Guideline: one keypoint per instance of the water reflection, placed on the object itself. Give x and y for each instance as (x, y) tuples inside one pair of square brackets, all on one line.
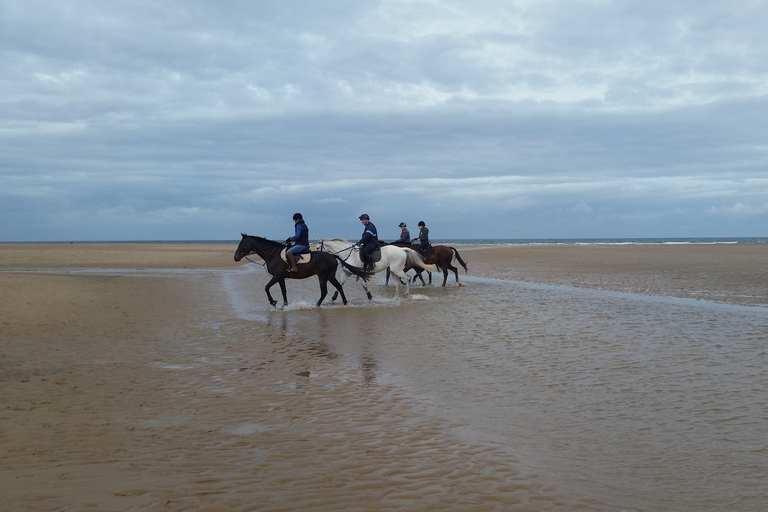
[(636, 402)]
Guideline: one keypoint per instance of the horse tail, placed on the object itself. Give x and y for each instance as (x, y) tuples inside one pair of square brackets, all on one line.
[(458, 258), (414, 259), (359, 272)]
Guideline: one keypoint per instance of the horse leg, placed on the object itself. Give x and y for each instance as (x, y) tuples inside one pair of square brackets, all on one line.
[(402, 275), (281, 282), (323, 289), (418, 274), (336, 284), (344, 276), (270, 284), (365, 287), (456, 272), (386, 281)]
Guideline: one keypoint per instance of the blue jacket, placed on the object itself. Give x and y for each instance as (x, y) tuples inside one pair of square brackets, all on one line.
[(302, 233)]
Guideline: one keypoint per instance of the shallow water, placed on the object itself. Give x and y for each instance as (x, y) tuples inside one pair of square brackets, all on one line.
[(499, 395), (588, 399)]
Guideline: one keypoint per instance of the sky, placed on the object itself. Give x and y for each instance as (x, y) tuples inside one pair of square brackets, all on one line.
[(200, 120)]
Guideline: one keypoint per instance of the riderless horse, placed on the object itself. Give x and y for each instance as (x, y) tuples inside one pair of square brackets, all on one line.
[(442, 257), (396, 259), (318, 263)]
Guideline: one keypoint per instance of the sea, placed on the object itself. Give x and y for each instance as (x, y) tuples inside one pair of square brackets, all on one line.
[(474, 241), (542, 397)]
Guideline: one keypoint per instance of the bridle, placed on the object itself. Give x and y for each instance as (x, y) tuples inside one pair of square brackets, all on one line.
[(263, 261)]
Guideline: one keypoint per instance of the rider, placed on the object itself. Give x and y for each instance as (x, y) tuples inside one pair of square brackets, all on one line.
[(405, 236), (423, 238), (369, 242), (300, 239)]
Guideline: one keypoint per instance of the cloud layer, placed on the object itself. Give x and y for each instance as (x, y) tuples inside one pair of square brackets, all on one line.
[(527, 119)]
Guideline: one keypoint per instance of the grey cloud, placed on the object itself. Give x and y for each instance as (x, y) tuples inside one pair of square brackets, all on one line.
[(197, 120)]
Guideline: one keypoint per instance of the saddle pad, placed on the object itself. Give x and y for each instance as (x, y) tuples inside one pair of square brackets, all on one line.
[(303, 257)]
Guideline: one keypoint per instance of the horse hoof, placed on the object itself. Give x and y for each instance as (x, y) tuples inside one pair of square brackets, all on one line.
[(460, 283), (370, 297)]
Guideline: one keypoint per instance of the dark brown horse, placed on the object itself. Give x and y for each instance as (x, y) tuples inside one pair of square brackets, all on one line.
[(321, 264), (442, 257)]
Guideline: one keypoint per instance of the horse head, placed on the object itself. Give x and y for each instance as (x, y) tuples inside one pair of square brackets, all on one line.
[(245, 248)]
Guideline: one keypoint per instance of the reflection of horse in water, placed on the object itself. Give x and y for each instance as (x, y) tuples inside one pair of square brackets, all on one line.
[(321, 264), (442, 257), (393, 258)]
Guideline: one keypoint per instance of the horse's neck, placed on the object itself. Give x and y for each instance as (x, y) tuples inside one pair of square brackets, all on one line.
[(265, 250), (345, 250)]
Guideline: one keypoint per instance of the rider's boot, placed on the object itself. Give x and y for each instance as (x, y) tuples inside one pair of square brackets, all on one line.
[(292, 261)]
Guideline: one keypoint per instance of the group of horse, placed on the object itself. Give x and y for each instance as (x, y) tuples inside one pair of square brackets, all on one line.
[(395, 258)]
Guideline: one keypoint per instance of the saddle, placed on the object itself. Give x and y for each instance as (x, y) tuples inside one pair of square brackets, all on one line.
[(303, 257), (376, 255)]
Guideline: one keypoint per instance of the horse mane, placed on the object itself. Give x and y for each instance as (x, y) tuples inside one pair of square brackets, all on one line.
[(263, 240), (340, 240)]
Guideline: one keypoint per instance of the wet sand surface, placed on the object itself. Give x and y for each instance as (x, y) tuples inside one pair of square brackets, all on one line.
[(156, 377)]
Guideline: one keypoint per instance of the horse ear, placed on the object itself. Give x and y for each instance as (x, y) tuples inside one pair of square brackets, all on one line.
[(243, 235)]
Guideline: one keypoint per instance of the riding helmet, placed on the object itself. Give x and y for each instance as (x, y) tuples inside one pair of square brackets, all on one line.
[(365, 216), (421, 223), (297, 216), (402, 225)]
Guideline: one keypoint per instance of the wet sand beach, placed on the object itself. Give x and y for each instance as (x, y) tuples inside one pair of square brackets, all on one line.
[(157, 377)]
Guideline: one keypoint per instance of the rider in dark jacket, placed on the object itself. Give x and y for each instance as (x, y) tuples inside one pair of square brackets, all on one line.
[(405, 235), (423, 238), (300, 240), (369, 242)]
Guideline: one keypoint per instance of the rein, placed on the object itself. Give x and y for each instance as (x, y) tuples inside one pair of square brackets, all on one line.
[(263, 261), (351, 249)]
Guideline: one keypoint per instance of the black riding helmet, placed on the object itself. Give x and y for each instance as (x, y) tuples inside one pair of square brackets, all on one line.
[(297, 216)]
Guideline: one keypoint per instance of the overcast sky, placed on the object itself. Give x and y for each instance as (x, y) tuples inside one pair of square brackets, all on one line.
[(179, 120)]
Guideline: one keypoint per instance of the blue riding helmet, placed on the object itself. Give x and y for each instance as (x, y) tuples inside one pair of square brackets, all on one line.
[(402, 225), (365, 216)]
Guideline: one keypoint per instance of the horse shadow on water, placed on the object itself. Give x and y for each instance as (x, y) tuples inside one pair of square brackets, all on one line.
[(321, 264), (393, 259)]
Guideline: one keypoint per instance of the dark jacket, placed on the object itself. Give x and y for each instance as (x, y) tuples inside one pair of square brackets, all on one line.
[(370, 236), (424, 237), (405, 236), (302, 233)]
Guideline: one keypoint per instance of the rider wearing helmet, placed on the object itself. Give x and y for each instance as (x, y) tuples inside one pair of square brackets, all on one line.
[(423, 238), (300, 240), (369, 242), (405, 236)]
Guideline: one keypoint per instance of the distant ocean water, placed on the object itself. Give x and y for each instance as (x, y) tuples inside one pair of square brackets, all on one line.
[(484, 241), (603, 241)]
